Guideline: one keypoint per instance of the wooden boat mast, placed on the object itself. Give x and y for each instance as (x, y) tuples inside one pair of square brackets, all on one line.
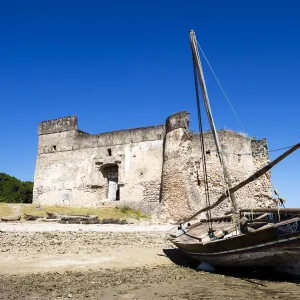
[(197, 62)]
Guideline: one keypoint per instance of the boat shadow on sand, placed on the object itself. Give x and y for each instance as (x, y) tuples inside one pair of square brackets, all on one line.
[(265, 274)]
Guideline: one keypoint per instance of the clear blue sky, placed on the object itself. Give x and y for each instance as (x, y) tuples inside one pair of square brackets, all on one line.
[(124, 64)]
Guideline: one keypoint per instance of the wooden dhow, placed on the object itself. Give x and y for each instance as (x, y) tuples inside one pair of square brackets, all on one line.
[(261, 237)]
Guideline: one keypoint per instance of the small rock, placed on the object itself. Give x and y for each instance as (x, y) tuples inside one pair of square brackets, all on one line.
[(70, 295)]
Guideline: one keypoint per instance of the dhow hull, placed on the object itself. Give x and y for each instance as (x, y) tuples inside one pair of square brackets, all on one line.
[(277, 247)]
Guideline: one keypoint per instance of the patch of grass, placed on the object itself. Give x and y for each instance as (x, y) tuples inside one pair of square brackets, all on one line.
[(5, 210), (130, 212), (102, 213)]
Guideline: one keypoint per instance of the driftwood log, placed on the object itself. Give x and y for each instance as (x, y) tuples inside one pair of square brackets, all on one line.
[(10, 219), (52, 215), (79, 219), (31, 217), (73, 219), (113, 221), (82, 219), (48, 220), (91, 220)]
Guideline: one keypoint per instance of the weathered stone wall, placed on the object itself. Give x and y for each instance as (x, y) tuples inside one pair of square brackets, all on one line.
[(261, 188), (178, 186), (160, 168), (58, 125), (70, 164), (183, 190)]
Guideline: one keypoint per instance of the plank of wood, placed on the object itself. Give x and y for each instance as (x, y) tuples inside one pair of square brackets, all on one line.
[(261, 216), (53, 215), (48, 220), (271, 210)]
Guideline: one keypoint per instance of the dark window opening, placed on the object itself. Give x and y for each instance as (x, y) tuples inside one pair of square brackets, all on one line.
[(239, 157), (208, 152), (54, 148), (198, 179), (109, 152)]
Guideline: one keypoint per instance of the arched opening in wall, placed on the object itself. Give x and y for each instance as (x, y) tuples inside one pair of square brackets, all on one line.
[(111, 173)]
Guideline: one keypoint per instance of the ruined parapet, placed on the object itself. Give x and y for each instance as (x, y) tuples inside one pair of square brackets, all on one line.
[(179, 120), (261, 187), (260, 149), (177, 188), (178, 138), (58, 125)]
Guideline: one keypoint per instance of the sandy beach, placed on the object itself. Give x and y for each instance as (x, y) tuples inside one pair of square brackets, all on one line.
[(63, 261)]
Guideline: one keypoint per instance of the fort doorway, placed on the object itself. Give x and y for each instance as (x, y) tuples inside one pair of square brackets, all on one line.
[(111, 172)]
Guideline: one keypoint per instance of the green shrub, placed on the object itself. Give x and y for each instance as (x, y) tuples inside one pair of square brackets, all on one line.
[(130, 212), (13, 190)]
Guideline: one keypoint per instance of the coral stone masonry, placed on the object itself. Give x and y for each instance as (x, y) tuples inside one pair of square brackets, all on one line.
[(152, 169)]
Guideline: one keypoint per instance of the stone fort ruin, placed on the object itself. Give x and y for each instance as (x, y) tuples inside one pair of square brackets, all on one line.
[(152, 169)]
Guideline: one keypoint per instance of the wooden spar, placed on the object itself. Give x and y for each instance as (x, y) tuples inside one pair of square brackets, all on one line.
[(257, 174), (198, 66), (274, 210)]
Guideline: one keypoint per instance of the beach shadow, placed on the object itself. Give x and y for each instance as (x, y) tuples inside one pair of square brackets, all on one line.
[(181, 259), (264, 274)]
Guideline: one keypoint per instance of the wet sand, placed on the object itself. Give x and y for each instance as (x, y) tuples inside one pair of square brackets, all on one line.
[(124, 264)]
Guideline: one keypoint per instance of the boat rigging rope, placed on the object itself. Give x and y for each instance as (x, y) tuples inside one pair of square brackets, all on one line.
[(250, 153), (280, 149), (207, 196), (221, 87), (280, 200)]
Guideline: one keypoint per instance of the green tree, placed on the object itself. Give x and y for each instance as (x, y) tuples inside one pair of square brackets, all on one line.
[(14, 190)]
